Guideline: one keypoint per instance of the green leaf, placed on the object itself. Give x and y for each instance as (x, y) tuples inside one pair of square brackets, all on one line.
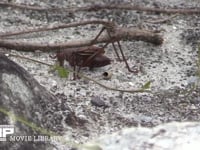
[(62, 72), (146, 85)]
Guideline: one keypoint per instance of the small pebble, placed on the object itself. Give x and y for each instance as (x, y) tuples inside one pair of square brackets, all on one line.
[(96, 101)]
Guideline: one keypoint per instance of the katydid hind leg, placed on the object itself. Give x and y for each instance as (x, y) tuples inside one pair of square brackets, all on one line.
[(124, 59)]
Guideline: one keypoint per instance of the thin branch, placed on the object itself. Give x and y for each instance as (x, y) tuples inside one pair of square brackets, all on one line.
[(30, 59), (86, 77), (161, 20), (103, 7), (55, 27)]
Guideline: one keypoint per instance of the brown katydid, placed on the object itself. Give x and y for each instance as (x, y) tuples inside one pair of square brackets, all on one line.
[(91, 56)]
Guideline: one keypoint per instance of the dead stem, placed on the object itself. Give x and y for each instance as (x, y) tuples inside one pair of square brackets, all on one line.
[(86, 77)]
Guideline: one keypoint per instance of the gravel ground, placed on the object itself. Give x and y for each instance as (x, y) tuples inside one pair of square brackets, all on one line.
[(171, 67)]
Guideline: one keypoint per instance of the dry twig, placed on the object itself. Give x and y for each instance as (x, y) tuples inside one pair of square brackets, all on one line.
[(99, 7), (162, 20), (55, 27)]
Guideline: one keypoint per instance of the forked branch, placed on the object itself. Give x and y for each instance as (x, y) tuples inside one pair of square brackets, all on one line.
[(117, 34)]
